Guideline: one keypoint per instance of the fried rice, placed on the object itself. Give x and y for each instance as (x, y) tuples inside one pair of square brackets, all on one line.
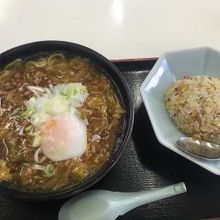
[(194, 104)]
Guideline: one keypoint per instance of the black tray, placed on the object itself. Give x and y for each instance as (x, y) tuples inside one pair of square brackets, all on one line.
[(145, 164)]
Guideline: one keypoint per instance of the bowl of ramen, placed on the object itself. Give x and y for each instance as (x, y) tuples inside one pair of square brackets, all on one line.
[(65, 119)]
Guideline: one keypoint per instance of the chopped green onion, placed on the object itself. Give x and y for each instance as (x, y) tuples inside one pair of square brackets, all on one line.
[(31, 132), (15, 111), (37, 140), (84, 89), (38, 167), (28, 128), (27, 113), (49, 170)]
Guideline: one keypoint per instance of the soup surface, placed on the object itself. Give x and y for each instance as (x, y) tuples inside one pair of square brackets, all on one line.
[(48, 146)]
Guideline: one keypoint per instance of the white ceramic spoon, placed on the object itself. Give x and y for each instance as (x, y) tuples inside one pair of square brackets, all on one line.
[(107, 205)]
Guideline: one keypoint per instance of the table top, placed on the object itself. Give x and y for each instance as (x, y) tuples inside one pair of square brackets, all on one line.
[(116, 28)]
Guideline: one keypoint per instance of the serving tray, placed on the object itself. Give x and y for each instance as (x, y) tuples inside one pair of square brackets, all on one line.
[(145, 164)]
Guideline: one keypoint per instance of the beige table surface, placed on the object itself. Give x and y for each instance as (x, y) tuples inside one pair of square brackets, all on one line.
[(116, 28)]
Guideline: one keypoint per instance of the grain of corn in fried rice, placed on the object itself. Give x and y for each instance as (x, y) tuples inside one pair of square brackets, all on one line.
[(194, 104)]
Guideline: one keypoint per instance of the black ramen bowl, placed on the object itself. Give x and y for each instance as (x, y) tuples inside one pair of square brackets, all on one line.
[(36, 49)]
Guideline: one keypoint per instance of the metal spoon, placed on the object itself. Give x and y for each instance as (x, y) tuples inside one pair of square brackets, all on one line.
[(107, 205), (199, 148)]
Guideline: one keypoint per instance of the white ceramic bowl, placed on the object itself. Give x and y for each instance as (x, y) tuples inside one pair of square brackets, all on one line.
[(169, 67)]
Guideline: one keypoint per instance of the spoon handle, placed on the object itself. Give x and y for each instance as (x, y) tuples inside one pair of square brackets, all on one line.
[(133, 200)]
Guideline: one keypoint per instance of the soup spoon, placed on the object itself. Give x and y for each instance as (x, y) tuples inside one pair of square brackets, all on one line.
[(108, 205), (201, 149)]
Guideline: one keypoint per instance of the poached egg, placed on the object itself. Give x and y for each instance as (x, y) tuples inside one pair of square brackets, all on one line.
[(59, 132), (63, 137)]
